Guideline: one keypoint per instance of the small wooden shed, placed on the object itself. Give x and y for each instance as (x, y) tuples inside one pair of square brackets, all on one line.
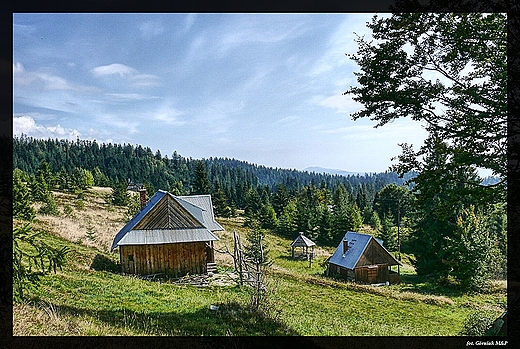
[(362, 258), (303, 242), (171, 235)]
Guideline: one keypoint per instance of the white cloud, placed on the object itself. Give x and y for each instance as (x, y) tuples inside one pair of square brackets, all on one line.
[(113, 69), (134, 77), (168, 114), (128, 97), (44, 80), (26, 125)]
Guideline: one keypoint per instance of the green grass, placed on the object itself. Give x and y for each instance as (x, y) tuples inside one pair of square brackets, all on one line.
[(90, 298)]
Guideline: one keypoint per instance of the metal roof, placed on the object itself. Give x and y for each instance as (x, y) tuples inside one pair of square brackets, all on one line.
[(357, 244), (166, 236), (204, 202), (184, 217), (302, 240)]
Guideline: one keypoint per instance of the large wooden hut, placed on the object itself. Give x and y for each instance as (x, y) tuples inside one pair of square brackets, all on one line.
[(362, 258), (170, 234)]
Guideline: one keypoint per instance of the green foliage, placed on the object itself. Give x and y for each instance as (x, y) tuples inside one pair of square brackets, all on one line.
[(201, 184), (49, 207), (255, 247), (134, 205), (30, 252), (374, 221), (387, 233), (22, 208), (470, 251), (119, 196), (477, 323), (394, 201), (447, 70)]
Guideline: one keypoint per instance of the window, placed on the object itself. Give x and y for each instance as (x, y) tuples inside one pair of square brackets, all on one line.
[(130, 257)]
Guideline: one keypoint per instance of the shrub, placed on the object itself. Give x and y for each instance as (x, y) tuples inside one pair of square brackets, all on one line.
[(477, 323)]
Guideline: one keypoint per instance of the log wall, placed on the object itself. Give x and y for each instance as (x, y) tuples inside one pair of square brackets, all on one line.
[(173, 259)]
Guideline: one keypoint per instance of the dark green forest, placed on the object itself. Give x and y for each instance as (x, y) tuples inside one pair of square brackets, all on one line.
[(110, 164), (283, 201)]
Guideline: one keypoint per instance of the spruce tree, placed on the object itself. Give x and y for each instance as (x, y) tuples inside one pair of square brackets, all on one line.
[(22, 208), (201, 184)]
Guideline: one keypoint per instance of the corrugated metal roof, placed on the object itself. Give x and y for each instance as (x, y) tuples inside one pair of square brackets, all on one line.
[(203, 202), (183, 215), (166, 236), (302, 240)]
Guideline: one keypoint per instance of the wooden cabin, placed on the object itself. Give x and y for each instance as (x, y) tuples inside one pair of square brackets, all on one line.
[(170, 234), (304, 243), (362, 258)]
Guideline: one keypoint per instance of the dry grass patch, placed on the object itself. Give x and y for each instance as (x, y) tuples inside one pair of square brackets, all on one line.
[(93, 223)]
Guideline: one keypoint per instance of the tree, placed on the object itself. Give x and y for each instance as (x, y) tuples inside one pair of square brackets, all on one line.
[(387, 233), (22, 208), (119, 196), (394, 200), (201, 184), (446, 70), (442, 193), (449, 72), (29, 251)]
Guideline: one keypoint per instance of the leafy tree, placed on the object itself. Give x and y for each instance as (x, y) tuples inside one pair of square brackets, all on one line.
[(50, 206), (255, 247), (374, 221), (449, 72), (267, 217), (470, 252), (446, 70), (39, 188), (222, 209), (442, 193), (100, 179)]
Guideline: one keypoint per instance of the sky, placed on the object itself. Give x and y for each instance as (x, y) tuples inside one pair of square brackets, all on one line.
[(262, 88)]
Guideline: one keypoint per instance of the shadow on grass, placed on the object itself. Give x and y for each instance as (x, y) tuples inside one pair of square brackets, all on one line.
[(103, 263), (426, 285), (231, 319)]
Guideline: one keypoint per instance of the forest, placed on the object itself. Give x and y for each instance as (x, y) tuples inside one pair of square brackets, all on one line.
[(286, 202)]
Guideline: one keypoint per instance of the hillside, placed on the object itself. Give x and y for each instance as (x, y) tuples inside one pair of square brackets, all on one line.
[(89, 297)]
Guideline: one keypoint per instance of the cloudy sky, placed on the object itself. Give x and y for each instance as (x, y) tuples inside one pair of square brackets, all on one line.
[(263, 88)]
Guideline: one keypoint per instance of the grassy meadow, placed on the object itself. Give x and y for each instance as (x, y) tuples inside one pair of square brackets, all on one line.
[(89, 297)]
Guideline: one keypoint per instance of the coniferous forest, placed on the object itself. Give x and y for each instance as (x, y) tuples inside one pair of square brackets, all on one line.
[(284, 201)]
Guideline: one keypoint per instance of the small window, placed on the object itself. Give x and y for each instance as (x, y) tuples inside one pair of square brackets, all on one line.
[(130, 257)]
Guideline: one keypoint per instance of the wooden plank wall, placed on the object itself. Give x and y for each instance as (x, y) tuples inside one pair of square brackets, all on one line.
[(174, 259)]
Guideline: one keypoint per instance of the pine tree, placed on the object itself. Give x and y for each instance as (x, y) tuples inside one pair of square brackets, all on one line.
[(119, 196), (22, 208), (201, 184)]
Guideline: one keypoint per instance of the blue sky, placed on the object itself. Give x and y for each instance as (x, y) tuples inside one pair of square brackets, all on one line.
[(263, 88)]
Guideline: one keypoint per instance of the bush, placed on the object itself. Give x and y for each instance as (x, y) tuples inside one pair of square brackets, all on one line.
[(477, 323)]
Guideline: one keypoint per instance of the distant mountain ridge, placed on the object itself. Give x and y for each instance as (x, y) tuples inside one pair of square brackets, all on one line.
[(319, 170)]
